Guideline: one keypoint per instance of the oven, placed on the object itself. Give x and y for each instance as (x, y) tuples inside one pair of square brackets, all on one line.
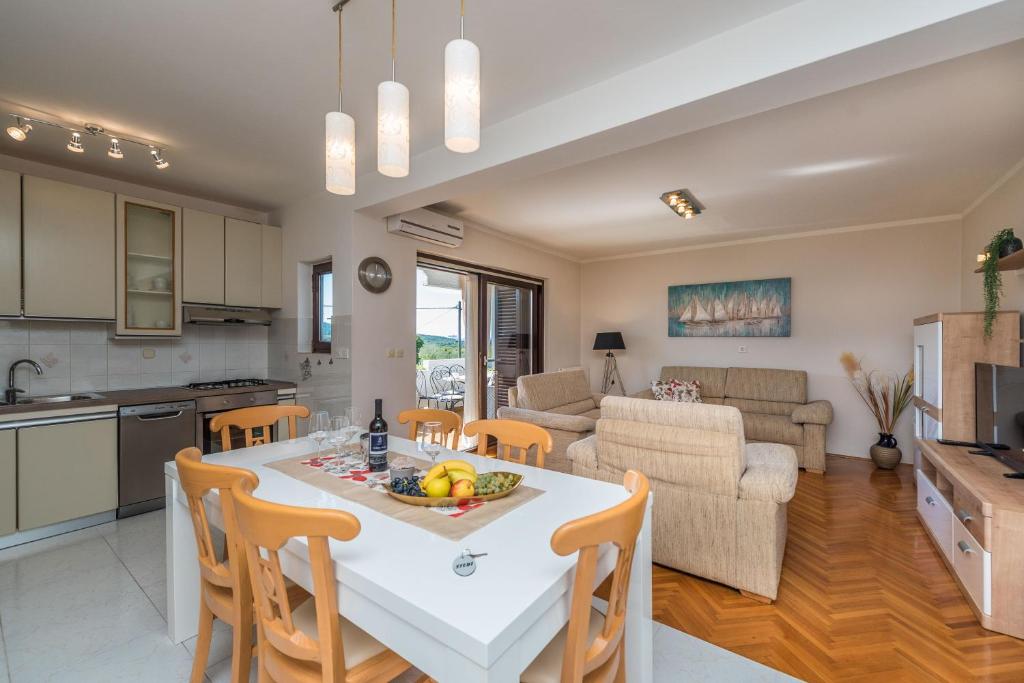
[(209, 406)]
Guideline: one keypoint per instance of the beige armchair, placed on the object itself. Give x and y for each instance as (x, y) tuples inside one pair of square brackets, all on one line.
[(719, 503), (560, 402)]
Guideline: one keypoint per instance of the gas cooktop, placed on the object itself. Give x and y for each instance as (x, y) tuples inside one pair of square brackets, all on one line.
[(226, 384)]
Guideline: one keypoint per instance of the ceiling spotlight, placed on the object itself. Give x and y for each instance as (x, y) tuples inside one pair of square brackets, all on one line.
[(20, 131), (160, 162), (76, 144), (115, 149), (682, 203)]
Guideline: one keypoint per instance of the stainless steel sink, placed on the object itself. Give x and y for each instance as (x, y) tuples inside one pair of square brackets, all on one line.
[(67, 398)]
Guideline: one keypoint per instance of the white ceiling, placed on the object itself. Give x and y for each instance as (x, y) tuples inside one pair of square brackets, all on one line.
[(923, 143), (238, 90)]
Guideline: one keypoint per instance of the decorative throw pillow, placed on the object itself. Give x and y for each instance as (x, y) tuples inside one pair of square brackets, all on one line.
[(687, 391)]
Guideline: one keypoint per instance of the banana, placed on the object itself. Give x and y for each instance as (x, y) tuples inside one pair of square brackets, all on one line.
[(456, 475), (457, 465)]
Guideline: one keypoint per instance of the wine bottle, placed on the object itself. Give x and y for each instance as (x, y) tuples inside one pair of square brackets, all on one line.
[(378, 439)]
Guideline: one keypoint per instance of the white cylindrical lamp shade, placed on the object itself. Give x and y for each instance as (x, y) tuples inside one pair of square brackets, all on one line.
[(341, 153), (462, 96), (393, 129)]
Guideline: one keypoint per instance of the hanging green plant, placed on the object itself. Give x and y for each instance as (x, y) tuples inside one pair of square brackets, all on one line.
[(993, 279)]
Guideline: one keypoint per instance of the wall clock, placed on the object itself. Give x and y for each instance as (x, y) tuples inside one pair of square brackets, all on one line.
[(374, 274)]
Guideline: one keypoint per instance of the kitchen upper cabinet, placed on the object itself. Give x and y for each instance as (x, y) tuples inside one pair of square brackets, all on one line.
[(8, 482), (148, 268), (66, 471), (69, 250), (273, 245), (243, 262), (10, 246), (203, 266)]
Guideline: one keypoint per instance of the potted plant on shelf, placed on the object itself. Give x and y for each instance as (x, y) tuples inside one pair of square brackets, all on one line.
[(1002, 244), (886, 396)]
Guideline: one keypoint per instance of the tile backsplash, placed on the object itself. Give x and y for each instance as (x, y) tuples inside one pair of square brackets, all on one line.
[(84, 356)]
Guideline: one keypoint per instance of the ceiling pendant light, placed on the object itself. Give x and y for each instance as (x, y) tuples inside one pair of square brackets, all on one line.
[(340, 136), (115, 149), (20, 131), (462, 91), (393, 117), (75, 145)]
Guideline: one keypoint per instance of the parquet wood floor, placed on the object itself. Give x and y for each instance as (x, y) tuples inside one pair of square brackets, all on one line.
[(864, 595)]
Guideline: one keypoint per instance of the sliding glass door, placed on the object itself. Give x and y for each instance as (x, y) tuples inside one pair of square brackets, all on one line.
[(510, 343)]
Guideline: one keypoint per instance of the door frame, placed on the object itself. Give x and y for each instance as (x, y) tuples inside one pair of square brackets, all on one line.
[(483, 323)]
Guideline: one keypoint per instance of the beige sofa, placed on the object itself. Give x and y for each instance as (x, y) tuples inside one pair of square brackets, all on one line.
[(719, 502), (773, 403), (560, 402)]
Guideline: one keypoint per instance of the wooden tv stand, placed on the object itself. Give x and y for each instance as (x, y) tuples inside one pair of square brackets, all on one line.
[(975, 517)]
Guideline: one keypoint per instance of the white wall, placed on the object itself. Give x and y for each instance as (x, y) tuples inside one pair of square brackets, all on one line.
[(853, 291), (1002, 208), (382, 322)]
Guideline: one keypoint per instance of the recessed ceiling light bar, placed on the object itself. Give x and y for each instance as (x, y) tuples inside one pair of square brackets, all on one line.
[(682, 203), (23, 126)]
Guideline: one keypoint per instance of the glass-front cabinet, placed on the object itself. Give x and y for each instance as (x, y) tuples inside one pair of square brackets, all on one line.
[(148, 268)]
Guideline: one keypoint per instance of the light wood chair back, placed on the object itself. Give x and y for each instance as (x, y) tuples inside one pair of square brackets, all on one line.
[(515, 439), (451, 424), (257, 417), (602, 660), (287, 654), (225, 591)]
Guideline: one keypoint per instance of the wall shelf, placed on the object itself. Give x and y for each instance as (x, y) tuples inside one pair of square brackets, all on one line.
[(1014, 261), (151, 292)]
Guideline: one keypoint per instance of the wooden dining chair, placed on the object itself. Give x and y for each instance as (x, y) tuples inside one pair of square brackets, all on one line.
[(257, 417), (311, 643), (224, 589), (515, 439), (590, 647), (451, 424)]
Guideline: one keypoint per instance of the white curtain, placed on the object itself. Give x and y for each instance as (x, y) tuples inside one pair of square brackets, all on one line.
[(471, 403)]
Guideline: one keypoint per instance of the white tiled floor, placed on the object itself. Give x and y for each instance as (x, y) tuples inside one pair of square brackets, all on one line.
[(90, 607)]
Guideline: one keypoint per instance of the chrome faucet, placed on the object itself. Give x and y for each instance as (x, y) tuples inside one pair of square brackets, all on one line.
[(11, 393)]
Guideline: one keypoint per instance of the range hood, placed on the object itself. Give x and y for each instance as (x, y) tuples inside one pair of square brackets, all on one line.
[(208, 315)]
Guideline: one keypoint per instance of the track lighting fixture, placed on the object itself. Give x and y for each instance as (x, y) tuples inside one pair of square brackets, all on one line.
[(20, 130), (160, 162), (683, 203), (23, 126), (75, 144)]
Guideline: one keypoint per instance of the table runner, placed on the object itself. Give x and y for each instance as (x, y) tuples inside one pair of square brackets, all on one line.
[(344, 476)]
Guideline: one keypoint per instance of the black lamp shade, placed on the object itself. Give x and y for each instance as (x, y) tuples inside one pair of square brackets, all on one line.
[(609, 341)]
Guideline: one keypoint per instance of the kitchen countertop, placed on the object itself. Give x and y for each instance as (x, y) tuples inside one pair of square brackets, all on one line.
[(131, 397)]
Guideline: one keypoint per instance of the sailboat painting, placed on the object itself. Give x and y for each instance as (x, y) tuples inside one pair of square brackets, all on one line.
[(747, 308)]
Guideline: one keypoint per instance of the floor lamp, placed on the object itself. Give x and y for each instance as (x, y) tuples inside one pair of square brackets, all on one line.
[(609, 341)]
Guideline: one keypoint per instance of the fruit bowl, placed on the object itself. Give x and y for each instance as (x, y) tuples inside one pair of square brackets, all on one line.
[(453, 501)]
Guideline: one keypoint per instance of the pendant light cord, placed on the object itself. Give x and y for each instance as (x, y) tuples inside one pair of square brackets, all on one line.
[(341, 60), (462, 18), (394, 36)]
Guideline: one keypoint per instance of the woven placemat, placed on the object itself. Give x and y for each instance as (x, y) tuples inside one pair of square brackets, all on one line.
[(453, 527)]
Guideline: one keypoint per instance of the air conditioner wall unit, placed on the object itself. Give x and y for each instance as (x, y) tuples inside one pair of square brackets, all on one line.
[(428, 226)]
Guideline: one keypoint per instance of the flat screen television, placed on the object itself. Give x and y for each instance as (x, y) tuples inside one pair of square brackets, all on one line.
[(999, 411)]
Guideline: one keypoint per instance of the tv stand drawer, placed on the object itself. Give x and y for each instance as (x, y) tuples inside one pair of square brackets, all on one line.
[(936, 514), (967, 508), (973, 565)]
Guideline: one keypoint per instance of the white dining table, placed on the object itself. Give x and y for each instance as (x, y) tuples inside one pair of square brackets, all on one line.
[(396, 581)]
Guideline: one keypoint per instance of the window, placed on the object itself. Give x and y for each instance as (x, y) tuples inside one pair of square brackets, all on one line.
[(323, 307)]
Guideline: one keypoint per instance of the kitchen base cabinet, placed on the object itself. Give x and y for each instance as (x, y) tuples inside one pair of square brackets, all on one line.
[(66, 471), (8, 482)]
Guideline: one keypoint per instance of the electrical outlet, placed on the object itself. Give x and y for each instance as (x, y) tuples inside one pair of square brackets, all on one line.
[(743, 349)]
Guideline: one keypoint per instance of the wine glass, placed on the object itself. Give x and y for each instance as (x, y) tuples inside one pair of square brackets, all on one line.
[(339, 432), (319, 425), (355, 421), (430, 440)]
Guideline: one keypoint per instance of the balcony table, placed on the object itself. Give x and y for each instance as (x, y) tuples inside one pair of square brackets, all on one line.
[(396, 581)]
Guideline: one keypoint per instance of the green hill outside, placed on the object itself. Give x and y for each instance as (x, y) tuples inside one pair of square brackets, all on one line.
[(433, 347)]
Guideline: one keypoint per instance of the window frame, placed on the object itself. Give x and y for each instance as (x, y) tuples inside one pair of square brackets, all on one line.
[(319, 270)]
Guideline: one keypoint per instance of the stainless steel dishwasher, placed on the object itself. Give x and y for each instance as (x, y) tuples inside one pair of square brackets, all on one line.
[(150, 435)]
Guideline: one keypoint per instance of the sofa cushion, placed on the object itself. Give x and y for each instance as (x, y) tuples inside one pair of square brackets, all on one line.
[(550, 390), (772, 428), (763, 384), (712, 380), (578, 408), (746, 405), (681, 391)]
